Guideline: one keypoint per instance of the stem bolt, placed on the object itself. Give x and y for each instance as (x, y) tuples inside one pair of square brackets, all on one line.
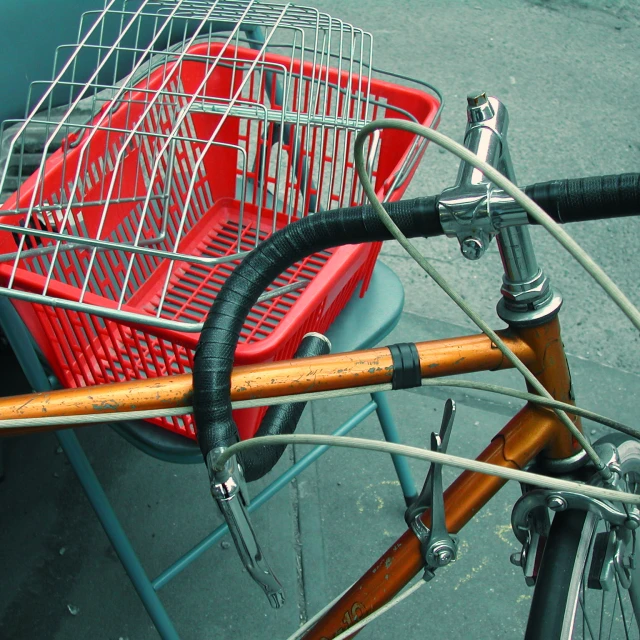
[(477, 98), (472, 248), (479, 108)]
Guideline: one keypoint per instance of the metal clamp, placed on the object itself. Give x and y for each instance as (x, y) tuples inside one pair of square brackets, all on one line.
[(530, 524), (437, 546), (562, 500), (229, 490), (474, 211), (464, 214)]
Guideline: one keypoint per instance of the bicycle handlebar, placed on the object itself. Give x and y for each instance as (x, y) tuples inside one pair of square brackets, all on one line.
[(213, 361), (214, 354), (583, 199), (564, 200)]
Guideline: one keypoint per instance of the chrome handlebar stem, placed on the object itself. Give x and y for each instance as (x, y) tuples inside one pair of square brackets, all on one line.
[(474, 212)]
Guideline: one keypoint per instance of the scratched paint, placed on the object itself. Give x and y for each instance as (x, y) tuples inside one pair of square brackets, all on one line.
[(335, 371)]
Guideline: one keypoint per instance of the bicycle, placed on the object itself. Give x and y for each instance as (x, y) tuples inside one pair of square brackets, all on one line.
[(534, 326)]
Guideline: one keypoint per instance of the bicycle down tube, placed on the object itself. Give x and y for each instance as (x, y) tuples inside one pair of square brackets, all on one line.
[(532, 431)]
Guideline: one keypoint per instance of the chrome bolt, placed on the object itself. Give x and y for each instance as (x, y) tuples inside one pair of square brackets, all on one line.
[(556, 503), (477, 98), (479, 108), (472, 248), (444, 557)]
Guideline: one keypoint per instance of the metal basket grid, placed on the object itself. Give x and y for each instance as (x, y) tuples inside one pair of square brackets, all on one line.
[(115, 247)]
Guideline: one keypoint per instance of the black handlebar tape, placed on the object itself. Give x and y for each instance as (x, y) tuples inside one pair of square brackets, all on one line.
[(215, 351), (588, 198), (280, 419)]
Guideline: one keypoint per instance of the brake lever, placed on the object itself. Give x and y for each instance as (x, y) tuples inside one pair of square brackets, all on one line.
[(230, 492), (437, 547), (439, 442)]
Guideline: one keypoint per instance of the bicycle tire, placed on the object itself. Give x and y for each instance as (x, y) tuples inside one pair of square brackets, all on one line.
[(557, 611)]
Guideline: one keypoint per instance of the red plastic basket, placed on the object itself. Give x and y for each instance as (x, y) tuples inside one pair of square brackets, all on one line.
[(86, 348)]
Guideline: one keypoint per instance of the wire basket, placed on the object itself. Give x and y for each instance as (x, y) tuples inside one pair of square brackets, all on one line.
[(176, 158)]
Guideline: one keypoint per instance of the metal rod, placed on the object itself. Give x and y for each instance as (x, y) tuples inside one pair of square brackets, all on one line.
[(391, 435), (112, 527)]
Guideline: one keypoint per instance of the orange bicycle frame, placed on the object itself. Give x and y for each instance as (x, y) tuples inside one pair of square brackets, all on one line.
[(533, 431)]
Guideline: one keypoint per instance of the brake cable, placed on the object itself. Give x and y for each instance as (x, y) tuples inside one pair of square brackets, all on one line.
[(536, 212)]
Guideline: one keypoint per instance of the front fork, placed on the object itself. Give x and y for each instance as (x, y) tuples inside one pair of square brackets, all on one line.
[(615, 548)]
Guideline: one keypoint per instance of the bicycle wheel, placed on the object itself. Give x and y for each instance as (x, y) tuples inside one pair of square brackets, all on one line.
[(566, 604)]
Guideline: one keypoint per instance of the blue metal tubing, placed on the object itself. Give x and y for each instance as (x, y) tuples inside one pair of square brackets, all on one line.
[(116, 534), (391, 435), (261, 498)]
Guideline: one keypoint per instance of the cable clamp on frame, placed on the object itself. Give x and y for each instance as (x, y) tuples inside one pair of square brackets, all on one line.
[(406, 366)]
